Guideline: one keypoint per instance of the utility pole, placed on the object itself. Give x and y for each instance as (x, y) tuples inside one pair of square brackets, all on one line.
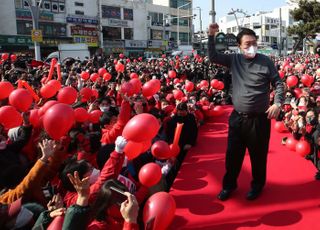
[(280, 35), (200, 20), (35, 12), (212, 13)]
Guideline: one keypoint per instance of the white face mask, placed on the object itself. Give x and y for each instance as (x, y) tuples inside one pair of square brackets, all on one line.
[(94, 176), (3, 145), (250, 52), (104, 108)]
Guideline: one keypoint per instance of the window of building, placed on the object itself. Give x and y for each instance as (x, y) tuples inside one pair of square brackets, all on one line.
[(177, 3), (111, 33), (267, 27), (47, 5), (184, 37), (55, 7), (110, 12), (79, 12), (18, 3), (156, 34), (78, 3), (25, 4), (128, 33), (61, 7), (156, 18), (127, 14), (228, 30)]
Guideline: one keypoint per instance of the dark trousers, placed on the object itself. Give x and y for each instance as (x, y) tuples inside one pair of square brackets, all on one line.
[(252, 132)]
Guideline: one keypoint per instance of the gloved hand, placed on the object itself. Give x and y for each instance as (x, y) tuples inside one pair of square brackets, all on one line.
[(121, 143)]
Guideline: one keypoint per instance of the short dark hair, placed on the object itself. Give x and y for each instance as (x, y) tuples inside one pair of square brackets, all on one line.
[(245, 31), (182, 106)]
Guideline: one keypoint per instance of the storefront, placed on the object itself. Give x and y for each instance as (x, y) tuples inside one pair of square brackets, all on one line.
[(135, 48), (113, 47)]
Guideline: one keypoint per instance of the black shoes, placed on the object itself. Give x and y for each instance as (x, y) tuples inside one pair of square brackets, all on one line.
[(225, 194), (253, 194)]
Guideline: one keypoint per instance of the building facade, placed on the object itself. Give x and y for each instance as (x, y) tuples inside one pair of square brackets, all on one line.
[(133, 27), (265, 24)]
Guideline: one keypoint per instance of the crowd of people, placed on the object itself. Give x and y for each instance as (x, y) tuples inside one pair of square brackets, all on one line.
[(44, 179)]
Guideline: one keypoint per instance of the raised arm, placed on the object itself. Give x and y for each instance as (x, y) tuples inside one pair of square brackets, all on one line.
[(214, 55)]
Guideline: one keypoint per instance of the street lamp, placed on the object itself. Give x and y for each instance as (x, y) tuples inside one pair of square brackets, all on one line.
[(234, 12), (35, 11), (178, 26)]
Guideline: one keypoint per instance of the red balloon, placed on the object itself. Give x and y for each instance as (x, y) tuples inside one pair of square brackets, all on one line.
[(150, 174), (163, 56), (21, 99), (85, 75), (146, 145), (119, 67), (214, 83), (81, 114), (56, 84), (161, 150), (204, 84), (86, 93), (13, 57), (134, 75), (107, 76), (102, 71), (5, 56), (10, 117), (281, 74), (133, 149), (189, 86), (5, 89), (292, 81), (34, 117), (94, 116), (95, 93), (67, 95), (161, 207), (303, 148), (46, 106), (176, 81), (291, 143), (151, 87), (121, 55), (220, 85), (115, 61), (178, 94), (306, 80), (48, 91), (279, 127), (141, 127), (58, 120), (136, 85), (127, 89), (128, 60), (174, 150), (172, 74), (94, 77), (297, 92)]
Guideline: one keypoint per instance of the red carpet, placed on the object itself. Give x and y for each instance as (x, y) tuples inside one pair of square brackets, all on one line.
[(290, 200)]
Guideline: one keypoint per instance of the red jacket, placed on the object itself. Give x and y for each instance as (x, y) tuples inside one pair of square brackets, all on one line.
[(109, 135), (111, 170)]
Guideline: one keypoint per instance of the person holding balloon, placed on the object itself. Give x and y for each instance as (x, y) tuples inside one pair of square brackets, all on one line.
[(249, 123)]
